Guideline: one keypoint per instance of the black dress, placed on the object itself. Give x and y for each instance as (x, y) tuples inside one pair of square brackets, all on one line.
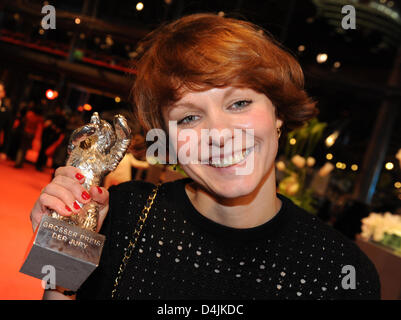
[(183, 255)]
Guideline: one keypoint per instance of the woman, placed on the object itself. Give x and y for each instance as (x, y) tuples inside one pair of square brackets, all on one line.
[(217, 234), (32, 122)]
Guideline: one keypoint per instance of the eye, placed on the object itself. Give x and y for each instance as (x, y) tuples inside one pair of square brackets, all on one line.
[(241, 104), (187, 120)]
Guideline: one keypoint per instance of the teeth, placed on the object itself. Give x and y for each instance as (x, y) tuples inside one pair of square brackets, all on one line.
[(230, 160)]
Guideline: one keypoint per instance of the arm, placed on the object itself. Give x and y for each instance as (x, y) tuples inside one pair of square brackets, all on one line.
[(138, 163), (50, 150)]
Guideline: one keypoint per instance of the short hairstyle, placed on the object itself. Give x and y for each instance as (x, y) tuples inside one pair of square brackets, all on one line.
[(203, 51)]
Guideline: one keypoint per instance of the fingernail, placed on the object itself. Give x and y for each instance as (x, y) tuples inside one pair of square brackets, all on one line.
[(99, 190), (85, 195), (79, 176), (76, 206), (68, 208)]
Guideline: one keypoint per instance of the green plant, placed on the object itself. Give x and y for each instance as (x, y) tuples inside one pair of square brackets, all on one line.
[(298, 161)]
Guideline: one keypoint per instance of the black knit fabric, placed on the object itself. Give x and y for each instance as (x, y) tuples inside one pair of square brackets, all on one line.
[(183, 255)]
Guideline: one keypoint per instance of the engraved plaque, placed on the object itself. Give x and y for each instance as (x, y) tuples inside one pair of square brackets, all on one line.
[(74, 252)]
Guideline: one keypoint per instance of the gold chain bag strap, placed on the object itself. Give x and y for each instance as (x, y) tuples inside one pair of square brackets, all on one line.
[(131, 246)]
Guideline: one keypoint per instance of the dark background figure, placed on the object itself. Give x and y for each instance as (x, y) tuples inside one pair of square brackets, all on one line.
[(30, 124), (16, 131), (73, 121), (54, 126), (5, 121)]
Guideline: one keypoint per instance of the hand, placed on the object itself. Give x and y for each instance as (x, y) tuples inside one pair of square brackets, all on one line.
[(62, 193)]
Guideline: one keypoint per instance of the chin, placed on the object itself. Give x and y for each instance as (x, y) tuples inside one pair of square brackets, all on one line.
[(241, 188)]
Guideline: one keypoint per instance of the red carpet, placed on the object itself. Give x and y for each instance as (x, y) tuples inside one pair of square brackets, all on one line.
[(19, 189)]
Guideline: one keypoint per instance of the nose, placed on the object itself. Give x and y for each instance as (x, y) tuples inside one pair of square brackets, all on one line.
[(220, 129)]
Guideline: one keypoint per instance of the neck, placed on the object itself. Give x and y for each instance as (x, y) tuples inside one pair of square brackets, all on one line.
[(243, 212)]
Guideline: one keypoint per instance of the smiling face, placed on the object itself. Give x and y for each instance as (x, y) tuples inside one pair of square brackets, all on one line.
[(228, 110)]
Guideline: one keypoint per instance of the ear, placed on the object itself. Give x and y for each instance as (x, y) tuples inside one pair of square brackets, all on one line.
[(279, 123)]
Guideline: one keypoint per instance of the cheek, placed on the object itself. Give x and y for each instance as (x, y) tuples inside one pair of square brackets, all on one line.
[(262, 121), (265, 135)]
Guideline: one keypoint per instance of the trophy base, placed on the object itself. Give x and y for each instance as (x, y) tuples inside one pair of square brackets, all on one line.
[(74, 253)]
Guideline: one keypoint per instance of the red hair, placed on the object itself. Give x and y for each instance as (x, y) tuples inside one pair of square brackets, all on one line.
[(204, 51)]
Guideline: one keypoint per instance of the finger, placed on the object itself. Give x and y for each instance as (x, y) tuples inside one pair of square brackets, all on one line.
[(100, 195), (102, 215), (37, 212), (50, 202), (64, 195), (74, 187), (71, 172)]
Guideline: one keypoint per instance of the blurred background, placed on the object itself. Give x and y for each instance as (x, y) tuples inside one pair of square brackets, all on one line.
[(343, 166)]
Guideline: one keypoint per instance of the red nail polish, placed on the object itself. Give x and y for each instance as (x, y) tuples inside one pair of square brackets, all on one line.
[(85, 195), (68, 208), (76, 206), (79, 176), (99, 190)]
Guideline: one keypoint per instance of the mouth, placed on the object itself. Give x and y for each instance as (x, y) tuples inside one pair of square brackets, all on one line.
[(230, 160)]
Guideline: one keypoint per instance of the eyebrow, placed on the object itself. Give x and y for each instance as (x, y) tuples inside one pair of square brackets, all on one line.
[(175, 106), (183, 104), (190, 104), (229, 91)]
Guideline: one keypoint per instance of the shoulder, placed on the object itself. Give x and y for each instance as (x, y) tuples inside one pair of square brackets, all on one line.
[(125, 205), (335, 252), (127, 193), (307, 226), (139, 189), (131, 186), (324, 237), (132, 196), (126, 201)]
